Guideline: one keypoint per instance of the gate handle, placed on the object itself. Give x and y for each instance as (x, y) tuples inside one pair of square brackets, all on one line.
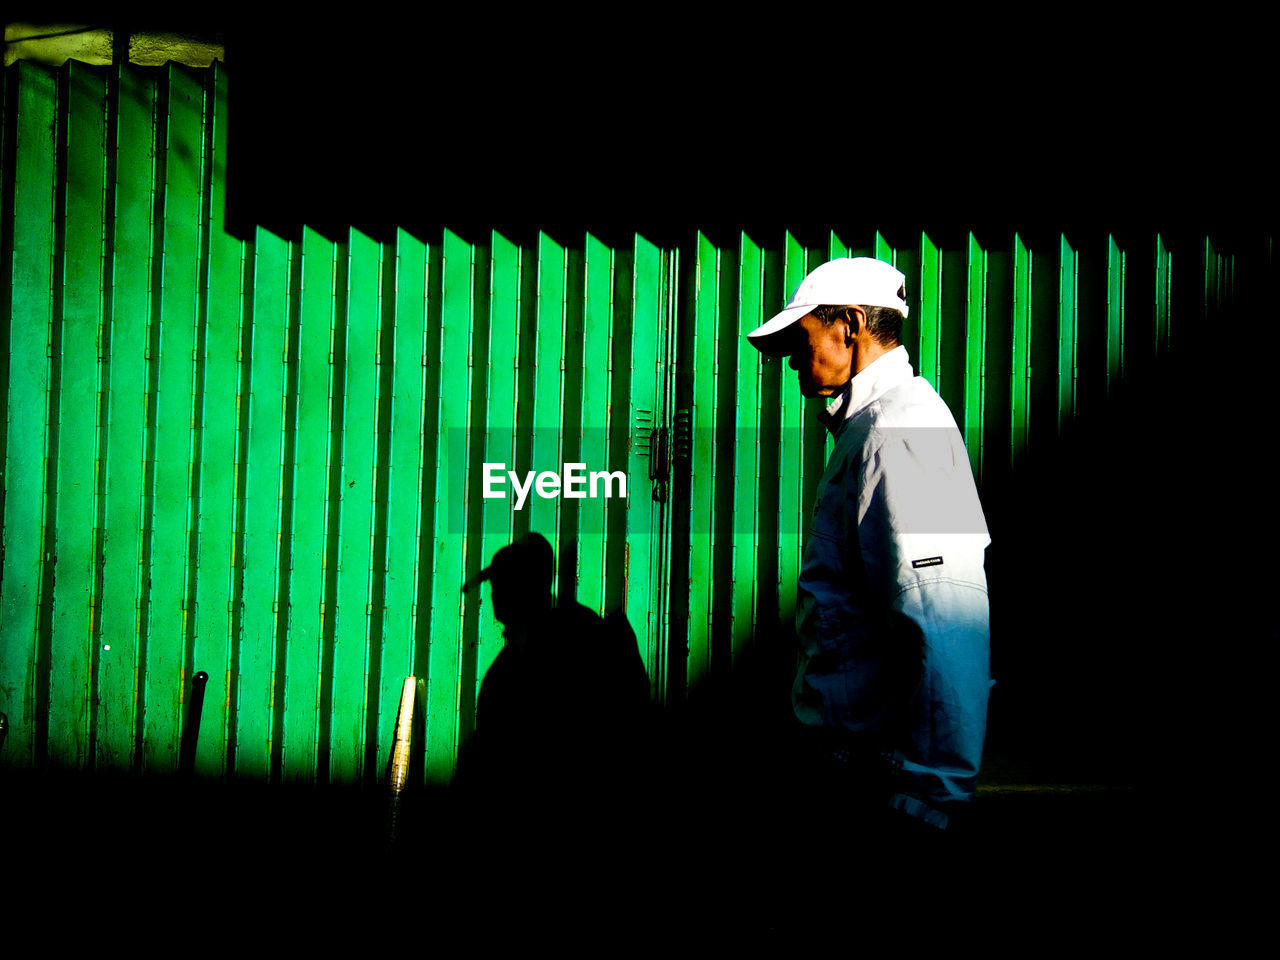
[(659, 455)]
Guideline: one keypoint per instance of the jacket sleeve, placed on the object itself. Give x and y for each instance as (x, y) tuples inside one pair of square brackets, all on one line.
[(852, 645)]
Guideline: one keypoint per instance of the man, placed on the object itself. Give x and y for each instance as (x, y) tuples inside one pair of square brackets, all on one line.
[(892, 611)]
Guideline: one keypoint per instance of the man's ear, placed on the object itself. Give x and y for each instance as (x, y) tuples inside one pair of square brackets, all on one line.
[(853, 318)]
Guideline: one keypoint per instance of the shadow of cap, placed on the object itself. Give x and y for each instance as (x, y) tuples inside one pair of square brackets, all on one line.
[(529, 560)]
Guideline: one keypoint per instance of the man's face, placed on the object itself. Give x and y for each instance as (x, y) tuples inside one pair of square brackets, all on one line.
[(821, 356)]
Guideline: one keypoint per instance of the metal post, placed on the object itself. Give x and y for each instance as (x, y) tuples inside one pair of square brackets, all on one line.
[(191, 729)]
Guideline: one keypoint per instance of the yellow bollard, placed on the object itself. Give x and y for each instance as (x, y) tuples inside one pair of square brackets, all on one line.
[(404, 736), (399, 767)]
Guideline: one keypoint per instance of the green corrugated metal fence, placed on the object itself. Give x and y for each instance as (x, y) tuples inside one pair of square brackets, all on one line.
[(265, 459)]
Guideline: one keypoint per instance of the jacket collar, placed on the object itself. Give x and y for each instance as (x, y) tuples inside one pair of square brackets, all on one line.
[(876, 379)]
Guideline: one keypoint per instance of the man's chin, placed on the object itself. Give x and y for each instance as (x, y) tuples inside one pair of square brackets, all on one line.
[(810, 390)]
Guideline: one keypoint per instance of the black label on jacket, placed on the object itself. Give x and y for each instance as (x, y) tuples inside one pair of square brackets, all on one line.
[(927, 562)]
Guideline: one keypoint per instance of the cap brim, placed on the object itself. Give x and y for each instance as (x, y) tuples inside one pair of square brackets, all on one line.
[(765, 337), (477, 578)]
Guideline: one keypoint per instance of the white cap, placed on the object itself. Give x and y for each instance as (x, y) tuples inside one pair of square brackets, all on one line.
[(844, 281)]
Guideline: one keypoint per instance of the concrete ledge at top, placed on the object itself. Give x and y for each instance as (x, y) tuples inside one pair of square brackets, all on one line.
[(54, 44)]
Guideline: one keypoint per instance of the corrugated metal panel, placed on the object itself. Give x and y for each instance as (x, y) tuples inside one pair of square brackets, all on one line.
[(265, 459), (29, 168)]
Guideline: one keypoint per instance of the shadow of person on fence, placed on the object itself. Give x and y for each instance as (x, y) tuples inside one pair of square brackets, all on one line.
[(562, 714)]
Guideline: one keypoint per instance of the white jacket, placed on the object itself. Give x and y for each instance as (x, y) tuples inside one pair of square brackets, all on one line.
[(898, 532)]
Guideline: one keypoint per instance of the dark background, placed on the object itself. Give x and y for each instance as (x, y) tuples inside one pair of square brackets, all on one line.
[(618, 119), (666, 129)]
